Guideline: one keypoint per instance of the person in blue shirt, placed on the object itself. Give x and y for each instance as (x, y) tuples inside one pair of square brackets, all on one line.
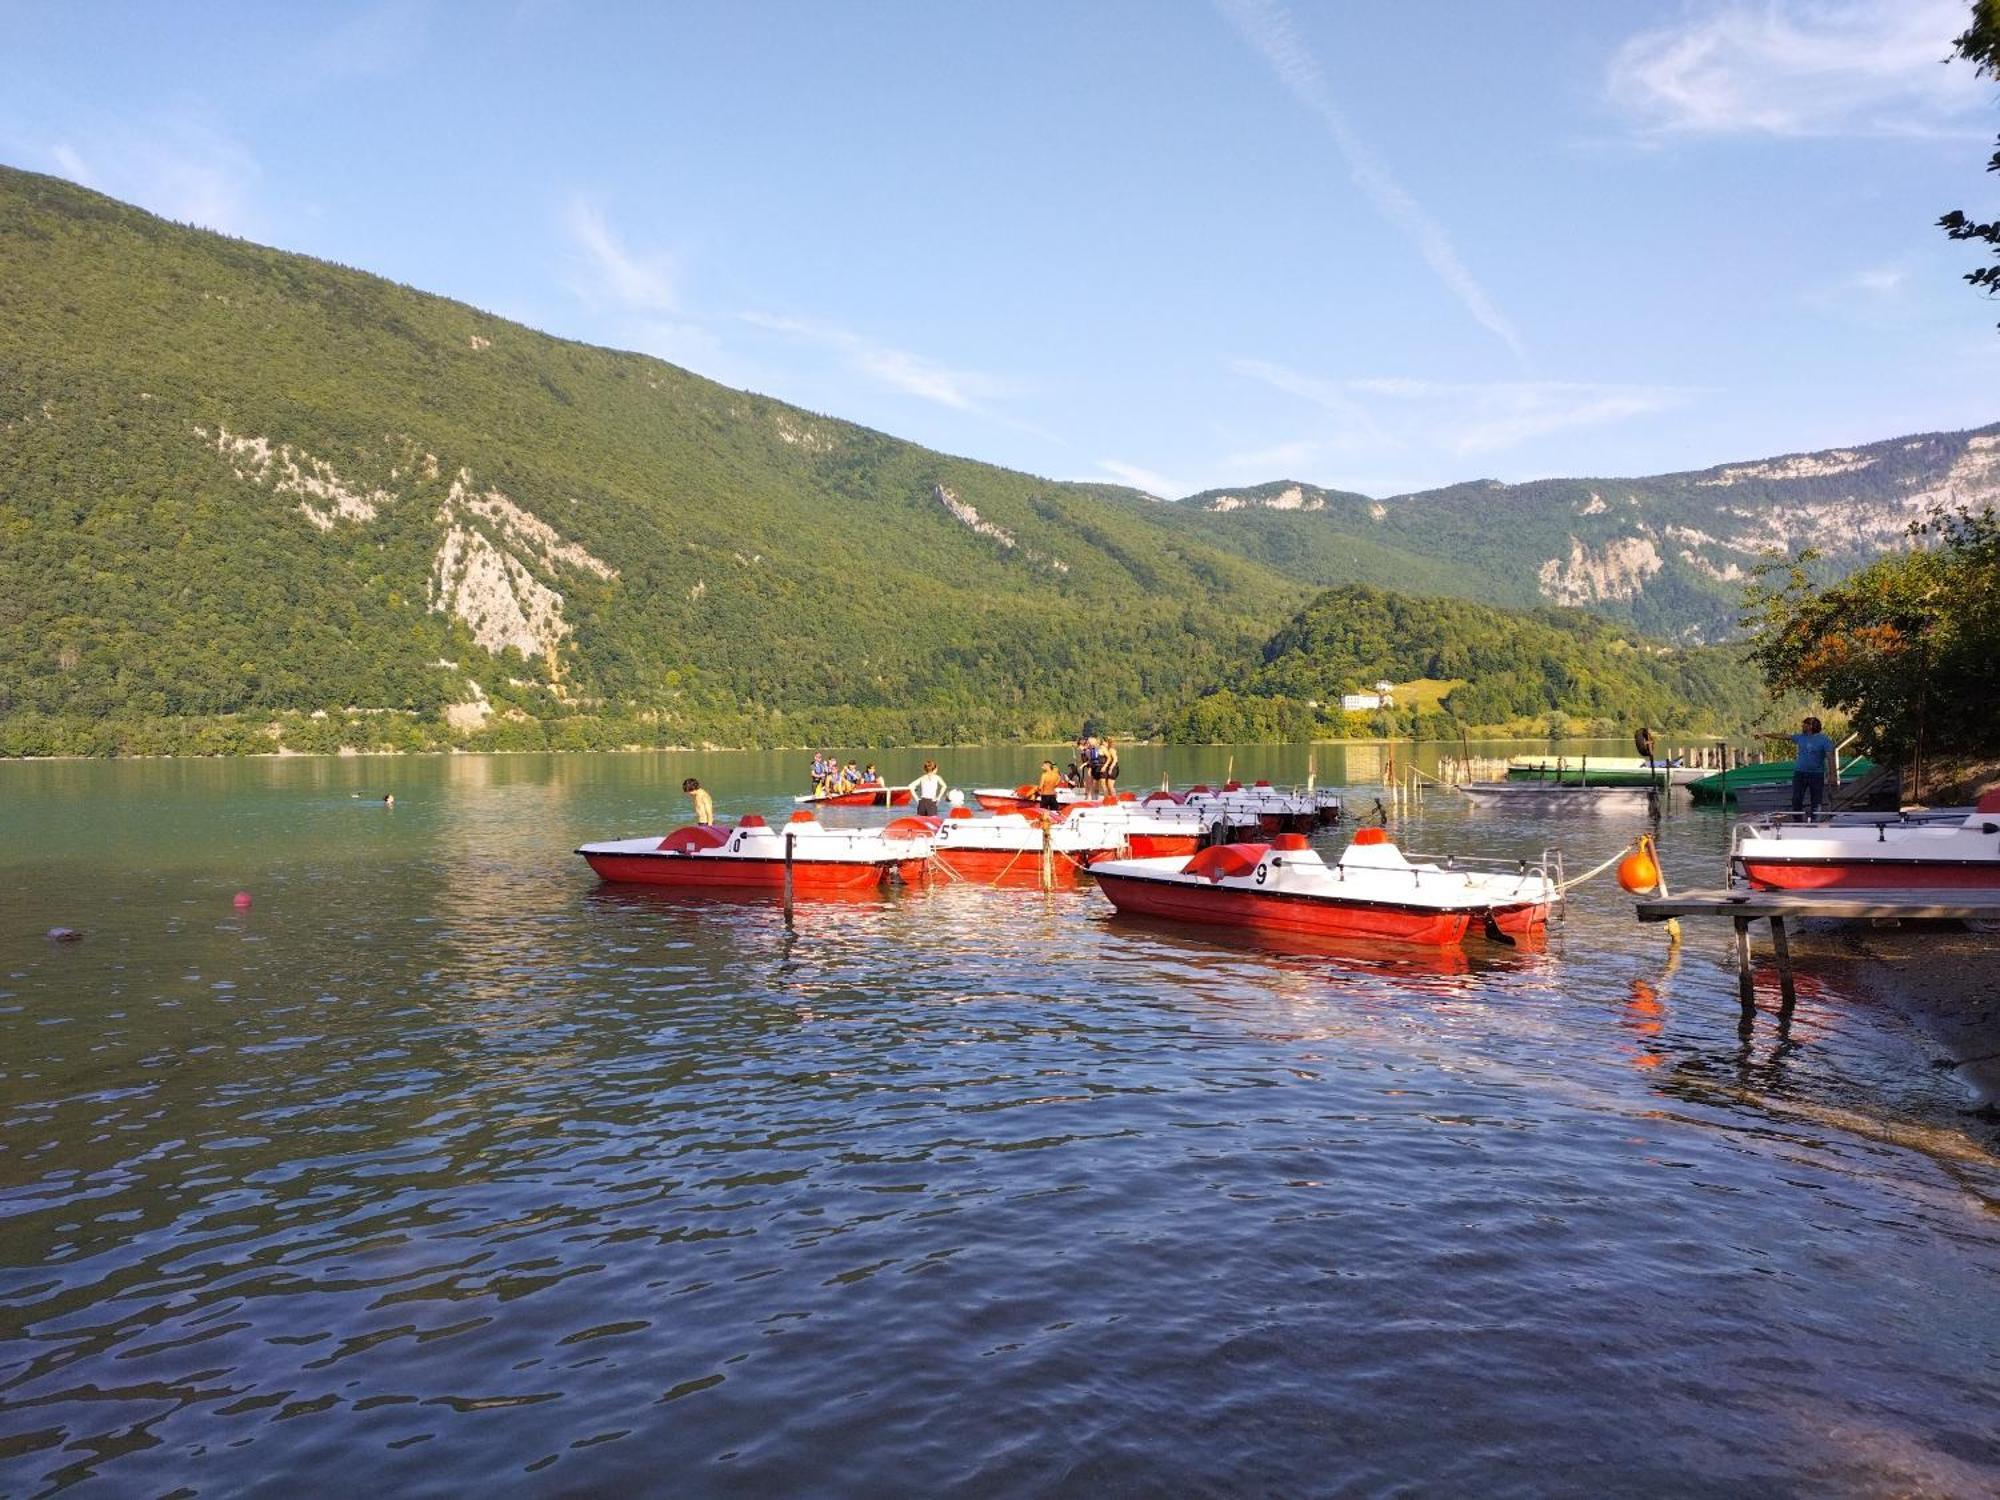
[(1813, 757)]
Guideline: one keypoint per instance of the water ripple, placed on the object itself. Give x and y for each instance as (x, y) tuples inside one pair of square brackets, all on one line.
[(447, 1168)]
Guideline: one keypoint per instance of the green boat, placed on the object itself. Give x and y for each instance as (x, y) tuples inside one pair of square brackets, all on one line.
[(1724, 785)]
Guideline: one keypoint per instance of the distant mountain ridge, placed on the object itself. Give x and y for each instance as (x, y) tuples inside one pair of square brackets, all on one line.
[(1669, 553), (242, 484)]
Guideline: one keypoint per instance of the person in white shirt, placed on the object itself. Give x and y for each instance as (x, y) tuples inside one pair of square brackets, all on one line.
[(929, 790)]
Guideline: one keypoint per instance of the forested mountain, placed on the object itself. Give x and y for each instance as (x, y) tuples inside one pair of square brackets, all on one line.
[(248, 496), (1477, 665), (1669, 553), (240, 482)]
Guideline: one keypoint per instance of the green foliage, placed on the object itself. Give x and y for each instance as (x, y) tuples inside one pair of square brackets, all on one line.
[(781, 577), (1979, 45), (779, 574), (1510, 666), (1906, 647)]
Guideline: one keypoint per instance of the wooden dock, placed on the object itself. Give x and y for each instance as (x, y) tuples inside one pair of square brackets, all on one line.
[(1745, 907)]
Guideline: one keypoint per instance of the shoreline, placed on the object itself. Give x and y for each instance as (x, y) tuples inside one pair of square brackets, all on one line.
[(1127, 740), (1945, 980)]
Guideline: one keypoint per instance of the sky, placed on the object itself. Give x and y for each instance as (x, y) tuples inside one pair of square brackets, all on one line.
[(1170, 243)]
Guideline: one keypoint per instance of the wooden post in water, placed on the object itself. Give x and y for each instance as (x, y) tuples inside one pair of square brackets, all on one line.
[(1746, 984), (790, 839), (1048, 855)]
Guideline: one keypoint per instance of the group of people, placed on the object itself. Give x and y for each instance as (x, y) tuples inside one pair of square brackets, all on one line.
[(1095, 769), (830, 777), (1094, 772)]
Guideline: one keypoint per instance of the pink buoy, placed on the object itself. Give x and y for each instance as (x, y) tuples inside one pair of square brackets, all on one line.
[(243, 901)]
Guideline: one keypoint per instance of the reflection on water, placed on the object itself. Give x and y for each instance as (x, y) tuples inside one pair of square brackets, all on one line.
[(444, 1166)]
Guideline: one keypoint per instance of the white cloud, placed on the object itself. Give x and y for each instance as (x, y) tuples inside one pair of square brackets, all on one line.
[(678, 342), (1465, 417), (1801, 68), (1267, 26), (176, 167), (1331, 396), (71, 164), (1491, 416), (1157, 485), (1881, 281), (897, 369), (615, 274)]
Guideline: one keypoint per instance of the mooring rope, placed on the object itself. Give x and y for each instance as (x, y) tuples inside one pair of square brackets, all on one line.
[(1591, 874)]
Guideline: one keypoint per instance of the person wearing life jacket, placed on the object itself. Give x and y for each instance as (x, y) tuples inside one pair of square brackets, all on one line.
[(704, 805), (1047, 785), (928, 789), (870, 776), (822, 767), (1087, 755)]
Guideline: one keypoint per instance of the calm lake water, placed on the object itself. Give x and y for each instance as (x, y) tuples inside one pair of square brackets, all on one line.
[(445, 1170)]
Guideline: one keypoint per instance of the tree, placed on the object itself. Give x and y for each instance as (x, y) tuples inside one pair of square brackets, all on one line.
[(1905, 646), (1980, 46)]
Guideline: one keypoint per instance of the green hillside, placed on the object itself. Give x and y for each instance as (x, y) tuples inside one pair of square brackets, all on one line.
[(248, 499), (231, 480), (1508, 669), (1668, 553)]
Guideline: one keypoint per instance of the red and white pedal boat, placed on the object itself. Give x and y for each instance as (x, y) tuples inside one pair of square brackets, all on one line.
[(1887, 853), (860, 796), (1002, 799), (1371, 891), (1261, 807), (751, 856), (1006, 849), (1151, 828)]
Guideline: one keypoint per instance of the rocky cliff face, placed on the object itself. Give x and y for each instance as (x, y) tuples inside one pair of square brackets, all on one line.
[(1669, 552)]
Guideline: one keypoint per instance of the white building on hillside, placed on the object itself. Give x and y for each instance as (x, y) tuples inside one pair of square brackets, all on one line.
[(1384, 696)]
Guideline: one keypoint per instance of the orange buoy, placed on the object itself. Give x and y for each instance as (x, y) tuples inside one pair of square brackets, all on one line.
[(1638, 871)]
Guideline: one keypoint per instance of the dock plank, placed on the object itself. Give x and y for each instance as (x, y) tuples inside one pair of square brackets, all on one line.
[(1910, 905)]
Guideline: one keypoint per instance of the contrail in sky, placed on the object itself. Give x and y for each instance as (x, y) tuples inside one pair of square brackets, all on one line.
[(1267, 26)]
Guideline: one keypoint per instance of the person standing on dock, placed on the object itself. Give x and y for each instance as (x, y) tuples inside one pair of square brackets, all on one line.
[(928, 789), (704, 805), (1813, 752), (1107, 768)]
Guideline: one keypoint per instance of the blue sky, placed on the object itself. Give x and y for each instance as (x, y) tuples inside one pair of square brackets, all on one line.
[(1180, 245)]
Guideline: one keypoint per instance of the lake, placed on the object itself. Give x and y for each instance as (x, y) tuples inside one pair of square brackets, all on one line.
[(442, 1168)]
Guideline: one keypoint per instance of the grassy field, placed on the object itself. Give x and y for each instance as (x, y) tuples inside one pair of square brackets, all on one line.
[(1425, 694)]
